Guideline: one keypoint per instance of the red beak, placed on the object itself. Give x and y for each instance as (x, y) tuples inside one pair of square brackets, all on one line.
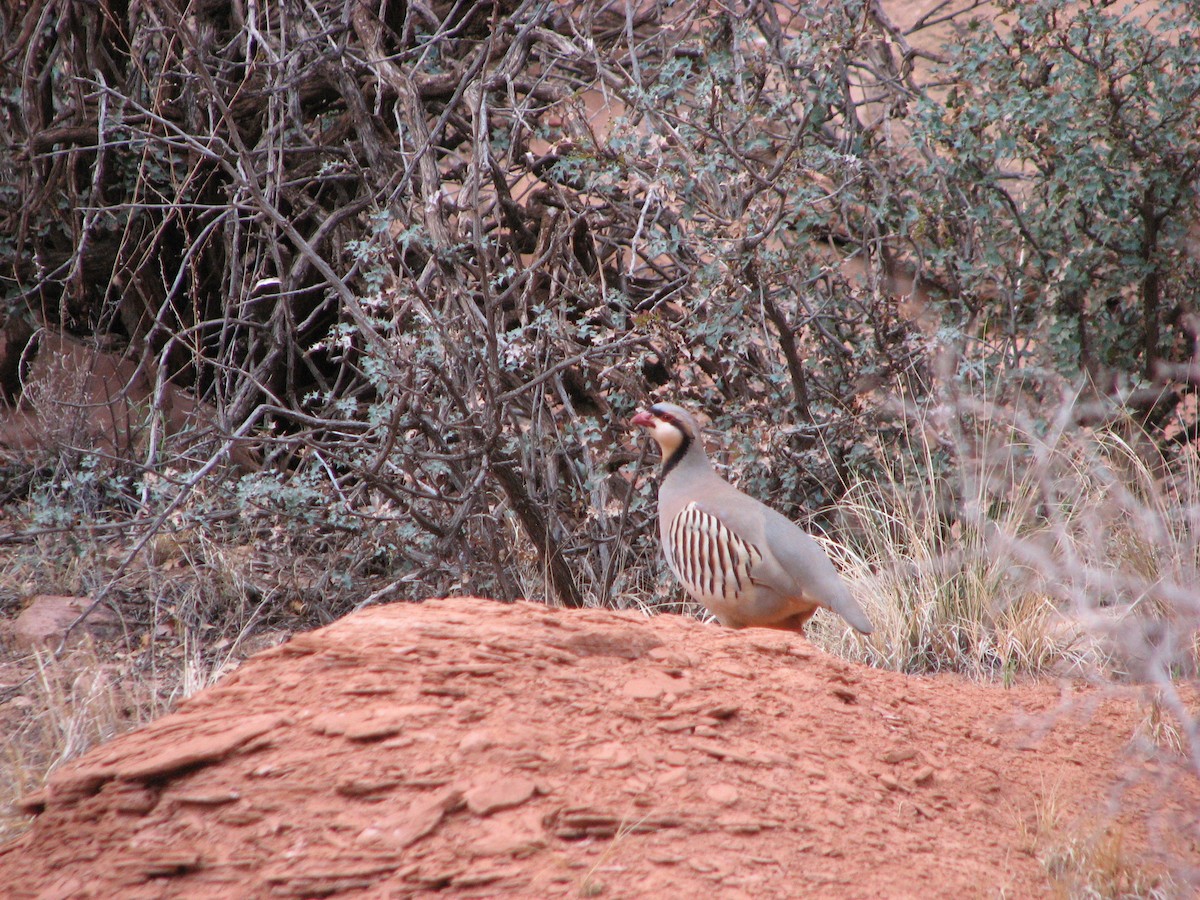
[(644, 419)]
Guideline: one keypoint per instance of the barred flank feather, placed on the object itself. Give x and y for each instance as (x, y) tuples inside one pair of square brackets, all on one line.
[(710, 560)]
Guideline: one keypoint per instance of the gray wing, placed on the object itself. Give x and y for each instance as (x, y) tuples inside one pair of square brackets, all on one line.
[(792, 563)]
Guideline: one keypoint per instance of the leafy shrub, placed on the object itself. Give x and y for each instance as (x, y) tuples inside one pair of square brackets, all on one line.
[(425, 260)]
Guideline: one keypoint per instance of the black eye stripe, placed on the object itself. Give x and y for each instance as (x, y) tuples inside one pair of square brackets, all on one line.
[(666, 417)]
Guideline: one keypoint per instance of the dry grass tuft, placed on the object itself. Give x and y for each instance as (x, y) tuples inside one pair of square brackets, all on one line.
[(1088, 863), (82, 698), (1026, 551), (67, 706)]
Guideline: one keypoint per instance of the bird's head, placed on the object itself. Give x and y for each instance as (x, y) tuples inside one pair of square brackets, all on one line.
[(672, 427)]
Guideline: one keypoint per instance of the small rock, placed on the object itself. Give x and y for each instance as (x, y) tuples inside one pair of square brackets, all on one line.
[(516, 833), (388, 722), (889, 782), (72, 783), (670, 657), (924, 775), (487, 798), (475, 741), (740, 826), (720, 751), (672, 778), (135, 800), (724, 794), (650, 687), (899, 756), (643, 689), (364, 787), (613, 755), (202, 749), (421, 817), (732, 669)]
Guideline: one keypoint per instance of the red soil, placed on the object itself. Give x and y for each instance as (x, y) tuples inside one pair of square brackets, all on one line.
[(466, 748)]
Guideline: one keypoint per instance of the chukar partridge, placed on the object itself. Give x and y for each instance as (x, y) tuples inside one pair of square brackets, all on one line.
[(747, 564)]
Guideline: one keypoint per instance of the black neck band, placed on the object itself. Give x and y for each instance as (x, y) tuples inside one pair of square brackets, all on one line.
[(673, 460)]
